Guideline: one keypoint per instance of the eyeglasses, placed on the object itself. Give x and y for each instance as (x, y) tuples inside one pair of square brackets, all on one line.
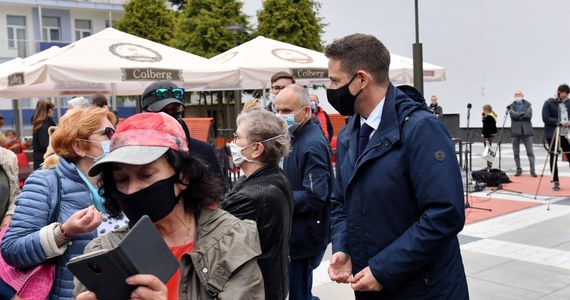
[(236, 137), (278, 87), (162, 93), (108, 131)]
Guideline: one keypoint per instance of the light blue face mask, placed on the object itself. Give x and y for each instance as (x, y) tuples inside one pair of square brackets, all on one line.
[(98, 200), (105, 146), (290, 119)]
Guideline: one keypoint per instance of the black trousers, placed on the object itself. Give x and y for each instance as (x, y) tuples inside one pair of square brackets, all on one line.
[(565, 145)]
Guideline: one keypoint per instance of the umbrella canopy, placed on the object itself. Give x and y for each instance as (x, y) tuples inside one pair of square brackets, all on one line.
[(431, 72), (112, 61), (260, 58)]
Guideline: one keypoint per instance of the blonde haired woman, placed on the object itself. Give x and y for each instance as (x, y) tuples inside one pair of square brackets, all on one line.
[(489, 129)]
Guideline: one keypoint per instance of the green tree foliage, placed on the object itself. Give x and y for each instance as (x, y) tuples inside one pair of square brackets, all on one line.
[(149, 19), (292, 21), (202, 26)]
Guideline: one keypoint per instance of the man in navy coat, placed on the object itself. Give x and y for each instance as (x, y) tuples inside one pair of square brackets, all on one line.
[(397, 205), (310, 172)]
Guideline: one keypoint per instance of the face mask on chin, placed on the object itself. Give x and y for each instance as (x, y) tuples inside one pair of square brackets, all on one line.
[(342, 100), (518, 99), (156, 200)]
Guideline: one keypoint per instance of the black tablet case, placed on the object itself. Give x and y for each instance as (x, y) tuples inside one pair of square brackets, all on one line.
[(142, 251)]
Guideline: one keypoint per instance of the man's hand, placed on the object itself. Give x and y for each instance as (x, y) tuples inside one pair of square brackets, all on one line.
[(364, 281), (340, 267)]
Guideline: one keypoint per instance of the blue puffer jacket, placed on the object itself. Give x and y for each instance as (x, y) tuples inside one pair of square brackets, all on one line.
[(309, 169), (29, 240), (399, 206)]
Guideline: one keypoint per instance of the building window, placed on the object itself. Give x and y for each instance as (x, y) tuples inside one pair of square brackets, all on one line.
[(82, 29), (17, 34), (50, 29)]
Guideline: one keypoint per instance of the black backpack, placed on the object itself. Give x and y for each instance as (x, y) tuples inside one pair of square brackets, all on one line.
[(491, 177)]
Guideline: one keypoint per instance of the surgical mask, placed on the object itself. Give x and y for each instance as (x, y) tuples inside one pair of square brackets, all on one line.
[(156, 200), (518, 99), (237, 156), (105, 146), (313, 105), (98, 201), (272, 98), (342, 100), (290, 119)]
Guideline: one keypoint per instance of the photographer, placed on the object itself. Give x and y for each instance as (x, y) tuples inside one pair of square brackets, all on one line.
[(555, 113)]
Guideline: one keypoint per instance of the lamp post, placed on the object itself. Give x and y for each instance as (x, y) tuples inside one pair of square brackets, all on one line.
[(235, 28), (418, 57)]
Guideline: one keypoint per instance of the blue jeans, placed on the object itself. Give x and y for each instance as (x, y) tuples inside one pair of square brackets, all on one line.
[(301, 277)]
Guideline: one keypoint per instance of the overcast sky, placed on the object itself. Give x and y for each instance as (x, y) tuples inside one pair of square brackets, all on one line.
[(489, 48)]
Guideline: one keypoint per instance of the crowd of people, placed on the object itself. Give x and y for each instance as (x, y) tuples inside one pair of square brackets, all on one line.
[(391, 218)]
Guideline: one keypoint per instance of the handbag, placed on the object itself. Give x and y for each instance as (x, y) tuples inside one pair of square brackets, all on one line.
[(488, 154), (36, 282)]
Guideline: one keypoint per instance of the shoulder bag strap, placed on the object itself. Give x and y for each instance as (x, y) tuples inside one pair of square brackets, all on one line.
[(55, 212)]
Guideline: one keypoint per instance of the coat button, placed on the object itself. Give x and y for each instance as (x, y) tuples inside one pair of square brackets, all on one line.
[(205, 270)]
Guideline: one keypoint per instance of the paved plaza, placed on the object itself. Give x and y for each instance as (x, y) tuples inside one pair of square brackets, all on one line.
[(520, 255)]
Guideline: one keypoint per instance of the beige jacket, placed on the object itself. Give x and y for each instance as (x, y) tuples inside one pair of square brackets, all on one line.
[(9, 162), (223, 264)]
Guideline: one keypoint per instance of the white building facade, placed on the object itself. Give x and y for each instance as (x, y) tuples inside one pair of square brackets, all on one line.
[(30, 26)]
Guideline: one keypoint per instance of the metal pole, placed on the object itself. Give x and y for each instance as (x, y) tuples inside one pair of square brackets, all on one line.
[(418, 57)]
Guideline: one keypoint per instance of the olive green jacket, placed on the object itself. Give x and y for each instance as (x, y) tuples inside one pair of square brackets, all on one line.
[(223, 264)]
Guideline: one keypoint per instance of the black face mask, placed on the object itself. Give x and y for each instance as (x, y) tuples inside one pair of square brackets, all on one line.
[(342, 100), (156, 200), (176, 115)]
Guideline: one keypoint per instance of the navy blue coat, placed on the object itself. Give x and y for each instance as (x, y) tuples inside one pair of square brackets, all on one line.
[(550, 116), (309, 169), (399, 207)]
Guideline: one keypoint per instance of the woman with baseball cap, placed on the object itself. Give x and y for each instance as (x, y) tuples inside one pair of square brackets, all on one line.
[(150, 172)]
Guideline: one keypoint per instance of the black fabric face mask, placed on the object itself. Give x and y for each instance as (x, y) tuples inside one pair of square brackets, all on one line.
[(156, 200), (342, 100)]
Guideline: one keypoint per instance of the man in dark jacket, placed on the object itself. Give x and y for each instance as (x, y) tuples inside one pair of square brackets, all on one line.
[(165, 96), (555, 113), (394, 219), (309, 170), (521, 130)]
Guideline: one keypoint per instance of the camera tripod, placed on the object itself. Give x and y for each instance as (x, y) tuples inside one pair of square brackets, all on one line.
[(554, 149), (498, 148), (468, 165)]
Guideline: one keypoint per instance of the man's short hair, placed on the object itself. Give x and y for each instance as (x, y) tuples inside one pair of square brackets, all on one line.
[(564, 88), (280, 75), (361, 52)]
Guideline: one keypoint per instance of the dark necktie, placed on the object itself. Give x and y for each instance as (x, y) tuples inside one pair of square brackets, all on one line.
[(363, 137)]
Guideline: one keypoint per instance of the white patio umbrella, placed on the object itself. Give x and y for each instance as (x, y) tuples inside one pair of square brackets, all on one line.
[(114, 62), (260, 58), (431, 71)]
